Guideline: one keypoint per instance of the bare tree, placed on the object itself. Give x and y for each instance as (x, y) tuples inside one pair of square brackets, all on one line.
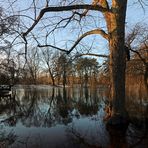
[(114, 13), (33, 64), (137, 42), (48, 59)]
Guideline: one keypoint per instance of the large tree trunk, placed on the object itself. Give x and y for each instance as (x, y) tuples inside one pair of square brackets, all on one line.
[(117, 72), (116, 28)]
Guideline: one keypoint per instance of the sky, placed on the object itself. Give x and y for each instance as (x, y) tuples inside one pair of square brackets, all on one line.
[(136, 14)]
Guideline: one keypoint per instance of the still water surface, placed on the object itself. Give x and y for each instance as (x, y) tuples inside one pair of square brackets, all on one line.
[(47, 117)]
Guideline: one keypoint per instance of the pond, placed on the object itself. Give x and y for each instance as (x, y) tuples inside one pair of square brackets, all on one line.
[(54, 117)]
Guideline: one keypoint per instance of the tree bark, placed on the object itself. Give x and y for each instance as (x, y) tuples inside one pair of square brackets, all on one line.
[(116, 29)]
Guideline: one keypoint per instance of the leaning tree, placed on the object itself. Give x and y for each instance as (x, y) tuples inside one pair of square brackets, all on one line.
[(114, 13)]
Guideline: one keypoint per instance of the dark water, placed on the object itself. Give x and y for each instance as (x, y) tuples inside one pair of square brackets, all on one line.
[(46, 117)]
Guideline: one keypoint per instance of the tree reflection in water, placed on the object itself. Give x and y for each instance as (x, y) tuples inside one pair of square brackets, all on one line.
[(7, 139), (42, 116)]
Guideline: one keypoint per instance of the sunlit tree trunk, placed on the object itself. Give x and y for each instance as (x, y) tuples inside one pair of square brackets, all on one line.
[(116, 29)]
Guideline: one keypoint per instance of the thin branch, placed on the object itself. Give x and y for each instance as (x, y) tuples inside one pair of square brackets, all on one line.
[(142, 4), (18, 15), (92, 54), (68, 19), (53, 47), (34, 8)]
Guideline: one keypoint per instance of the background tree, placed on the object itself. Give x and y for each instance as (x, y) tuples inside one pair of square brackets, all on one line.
[(63, 68), (87, 70), (33, 64), (48, 58), (137, 41)]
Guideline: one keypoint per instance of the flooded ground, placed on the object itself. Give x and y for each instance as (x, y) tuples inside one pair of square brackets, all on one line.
[(47, 117)]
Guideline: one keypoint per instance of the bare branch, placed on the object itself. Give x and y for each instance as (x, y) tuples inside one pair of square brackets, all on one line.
[(34, 8), (139, 55), (92, 54), (142, 4), (95, 31), (63, 8), (53, 47), (67, 20)]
